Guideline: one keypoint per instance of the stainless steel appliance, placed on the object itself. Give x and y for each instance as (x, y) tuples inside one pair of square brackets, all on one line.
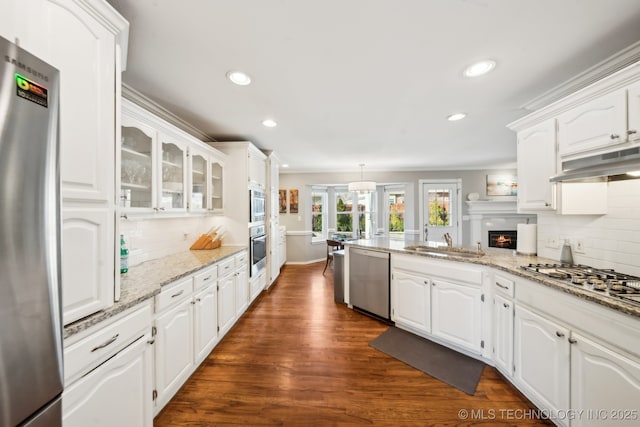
[(31, 378), (605, 282), (258, 249), (369, 281), (256, 205)]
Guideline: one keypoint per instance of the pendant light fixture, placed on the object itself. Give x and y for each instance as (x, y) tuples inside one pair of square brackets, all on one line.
[(362, 186)]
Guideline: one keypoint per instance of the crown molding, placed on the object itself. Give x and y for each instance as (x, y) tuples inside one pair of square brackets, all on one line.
[(611, 65), (148, 104)]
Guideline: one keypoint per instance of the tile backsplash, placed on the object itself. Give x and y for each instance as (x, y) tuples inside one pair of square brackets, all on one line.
[(610, 241), (154, 238)]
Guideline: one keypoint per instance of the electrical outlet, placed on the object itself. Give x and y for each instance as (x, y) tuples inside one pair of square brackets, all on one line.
[(579, 246), (552, 242)]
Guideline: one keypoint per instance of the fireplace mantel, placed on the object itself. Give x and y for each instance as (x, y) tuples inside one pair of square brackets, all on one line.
[(492, 207), (487, 215)]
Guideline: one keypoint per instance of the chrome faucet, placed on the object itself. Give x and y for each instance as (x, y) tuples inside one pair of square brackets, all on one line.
[(447, 238)]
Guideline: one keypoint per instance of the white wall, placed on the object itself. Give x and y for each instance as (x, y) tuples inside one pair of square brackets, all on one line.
[(611, 241)]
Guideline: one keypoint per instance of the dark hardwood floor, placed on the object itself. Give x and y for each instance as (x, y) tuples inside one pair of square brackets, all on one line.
[(297, 358)]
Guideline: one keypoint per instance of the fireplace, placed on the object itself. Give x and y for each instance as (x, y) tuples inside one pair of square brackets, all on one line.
[(506, 239)]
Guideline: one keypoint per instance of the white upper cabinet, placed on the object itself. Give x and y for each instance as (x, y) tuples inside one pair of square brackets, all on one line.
[(536, 164), (165, 170), (84, 40), (599, 123), (257, 168), (633, 94)]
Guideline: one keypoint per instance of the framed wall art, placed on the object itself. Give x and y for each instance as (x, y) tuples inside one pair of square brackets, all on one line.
[(282, 201), (293, 201), (502, 185)]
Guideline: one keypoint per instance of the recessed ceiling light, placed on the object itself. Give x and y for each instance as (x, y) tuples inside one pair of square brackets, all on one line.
[(239, 78), (456, 116), (269, 123), (634, 173), (480, 68), (285, 165)]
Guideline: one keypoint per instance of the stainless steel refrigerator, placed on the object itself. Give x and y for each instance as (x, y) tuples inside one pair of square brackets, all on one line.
[(31, 378)]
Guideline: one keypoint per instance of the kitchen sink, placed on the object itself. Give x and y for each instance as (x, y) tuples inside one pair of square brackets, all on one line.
[(444, 251)]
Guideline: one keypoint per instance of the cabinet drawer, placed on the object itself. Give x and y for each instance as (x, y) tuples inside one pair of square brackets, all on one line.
[(241, 258), (225, 267), (87, 353), (504, 286), (205, 278), (173, 293)]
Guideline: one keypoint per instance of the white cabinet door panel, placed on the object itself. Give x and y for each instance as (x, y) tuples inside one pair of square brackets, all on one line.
[(633, 93), (117, 393), (541, 355), (205, 321), (88, 251), (503, 334), (411, 301), (602, 380), (226, 303), (456, 314), (536, 164), (599, 123)]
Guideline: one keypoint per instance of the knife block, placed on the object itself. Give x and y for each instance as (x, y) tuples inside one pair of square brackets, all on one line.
[(206, 241)]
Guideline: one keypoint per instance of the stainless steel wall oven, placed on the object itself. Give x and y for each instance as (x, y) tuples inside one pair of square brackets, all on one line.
[(258, 249)]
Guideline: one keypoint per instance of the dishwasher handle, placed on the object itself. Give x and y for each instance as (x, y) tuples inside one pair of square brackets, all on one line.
[(369, 253)]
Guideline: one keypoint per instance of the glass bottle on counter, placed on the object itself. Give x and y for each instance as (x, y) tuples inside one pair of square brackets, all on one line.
[(124, 255)]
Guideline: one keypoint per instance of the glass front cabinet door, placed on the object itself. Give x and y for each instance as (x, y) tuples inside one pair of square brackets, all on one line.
[(216, 168), (199, 181), (173, 175), (136, 170)]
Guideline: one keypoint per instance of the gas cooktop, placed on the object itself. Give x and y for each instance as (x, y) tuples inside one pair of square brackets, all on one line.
[(602, 281)]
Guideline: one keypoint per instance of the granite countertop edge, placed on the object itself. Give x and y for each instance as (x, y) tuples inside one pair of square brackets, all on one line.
[(144, 281), (506, 261)]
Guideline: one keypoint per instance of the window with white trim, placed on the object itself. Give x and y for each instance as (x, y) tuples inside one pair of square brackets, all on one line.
[(394, 208), (355, 213), (319, 198)]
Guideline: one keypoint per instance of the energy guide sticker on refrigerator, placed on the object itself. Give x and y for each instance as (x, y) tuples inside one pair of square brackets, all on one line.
[(31, 377)]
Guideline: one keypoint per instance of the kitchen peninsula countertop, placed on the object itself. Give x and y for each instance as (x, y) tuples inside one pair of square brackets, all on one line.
[(145, 280), (505, 260)]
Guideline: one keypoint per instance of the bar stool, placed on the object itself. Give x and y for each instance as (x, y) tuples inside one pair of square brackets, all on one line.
[(332, 245)]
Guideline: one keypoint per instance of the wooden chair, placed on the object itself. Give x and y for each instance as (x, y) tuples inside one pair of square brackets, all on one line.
[(332, 245)]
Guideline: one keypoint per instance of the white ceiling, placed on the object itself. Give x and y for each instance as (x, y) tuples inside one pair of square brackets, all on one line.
[(367, 81)]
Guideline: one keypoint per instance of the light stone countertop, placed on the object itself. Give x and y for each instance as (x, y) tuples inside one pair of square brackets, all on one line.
[(144, 281), (505, 260)]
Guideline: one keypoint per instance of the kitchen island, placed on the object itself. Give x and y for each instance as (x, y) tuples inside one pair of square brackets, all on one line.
[(567, 348)]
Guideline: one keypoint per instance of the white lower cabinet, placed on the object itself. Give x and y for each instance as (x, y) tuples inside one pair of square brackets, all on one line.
[(603, 382), (503, 334), (256, 284), (456, 314), (242, 290), (205, 322), (411, 301), (109, 372), (542, 361), (226, 303), (118, 393), (174, 349)]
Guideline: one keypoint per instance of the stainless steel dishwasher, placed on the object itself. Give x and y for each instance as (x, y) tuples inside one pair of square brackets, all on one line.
[(369, 281)]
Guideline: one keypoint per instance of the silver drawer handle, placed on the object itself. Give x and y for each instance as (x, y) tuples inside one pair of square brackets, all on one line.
[(108, 342), (506, 305), (178, 294), (631, 132), (572, 341), (501, 286), (614, 136), (560, 334), (206, 278)]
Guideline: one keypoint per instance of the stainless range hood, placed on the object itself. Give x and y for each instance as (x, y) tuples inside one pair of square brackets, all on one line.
[(611, 166)]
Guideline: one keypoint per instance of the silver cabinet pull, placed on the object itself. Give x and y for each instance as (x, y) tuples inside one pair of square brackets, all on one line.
[(426, 282), (506, 305), (178, 294), (206, 278), (614, 136), (572, 341), (560, 334), (632, 132), (501, 286), (108, 342)]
